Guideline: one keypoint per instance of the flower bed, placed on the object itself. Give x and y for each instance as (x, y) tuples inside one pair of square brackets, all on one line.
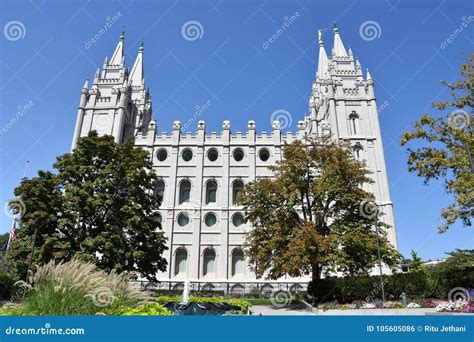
[(377, 305), (458, 306)]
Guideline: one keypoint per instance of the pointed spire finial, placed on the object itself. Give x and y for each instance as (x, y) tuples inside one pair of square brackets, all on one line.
[(118, 55), (122, 36), (336, 30), (86, 84), (339, 49), (141, 46), (368, 75)]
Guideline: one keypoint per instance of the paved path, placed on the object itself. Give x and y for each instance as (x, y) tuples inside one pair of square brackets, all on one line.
[(300, 311)]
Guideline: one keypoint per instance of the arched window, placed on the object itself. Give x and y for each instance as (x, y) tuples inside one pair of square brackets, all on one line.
[(181, 261), (157, 218), (211, 192), (237, 262), (209, 262), (358, 151), (237, 187), (160, 190), (184, 191), (237, 289), (354, 123)]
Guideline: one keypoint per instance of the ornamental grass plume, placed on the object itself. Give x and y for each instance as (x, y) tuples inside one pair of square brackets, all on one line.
[(77, 288)]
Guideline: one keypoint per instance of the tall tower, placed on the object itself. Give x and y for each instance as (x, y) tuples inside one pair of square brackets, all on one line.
[(342, 103), (117, 103)]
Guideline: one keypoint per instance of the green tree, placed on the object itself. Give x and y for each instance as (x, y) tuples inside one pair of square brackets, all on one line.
[(448, 148), (457, 271), (98, 207), (4, 240), (308, 219), (416, 263)]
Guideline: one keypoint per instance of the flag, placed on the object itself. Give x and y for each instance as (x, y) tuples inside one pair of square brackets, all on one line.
[(12, 234)]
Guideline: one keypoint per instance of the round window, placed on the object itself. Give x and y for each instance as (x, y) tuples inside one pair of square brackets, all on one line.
[(237, 220), (264, 154), (157, 218), (162, 154), (210, 220), (238, 154), (187, 155), (212, 155), (183, 220)]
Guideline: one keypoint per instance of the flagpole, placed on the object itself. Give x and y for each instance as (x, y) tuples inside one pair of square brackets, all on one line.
[(10, 235), (25, 169)]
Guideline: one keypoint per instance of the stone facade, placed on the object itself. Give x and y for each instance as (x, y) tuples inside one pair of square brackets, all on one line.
[(201, 173)]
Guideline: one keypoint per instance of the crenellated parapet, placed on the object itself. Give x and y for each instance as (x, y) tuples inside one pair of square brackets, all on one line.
[(214, 138)]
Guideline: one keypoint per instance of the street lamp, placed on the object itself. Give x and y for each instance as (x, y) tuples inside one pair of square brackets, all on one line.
[(376, 211)]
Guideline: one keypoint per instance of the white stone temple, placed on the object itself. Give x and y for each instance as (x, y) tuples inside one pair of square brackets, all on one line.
[(202, 173)]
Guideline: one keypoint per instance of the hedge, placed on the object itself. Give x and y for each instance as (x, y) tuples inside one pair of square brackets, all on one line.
[(349, 289)]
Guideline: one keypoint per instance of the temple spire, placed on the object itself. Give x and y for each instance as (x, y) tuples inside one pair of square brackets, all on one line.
[(136, 75), (369, 77), (339, 49), (118, 56), (323, 65)]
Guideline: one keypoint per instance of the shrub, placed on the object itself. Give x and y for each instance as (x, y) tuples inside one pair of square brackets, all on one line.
[(154, 309), (78, 288), (242, 304), (6, 285), (367, 288), (436, 282)]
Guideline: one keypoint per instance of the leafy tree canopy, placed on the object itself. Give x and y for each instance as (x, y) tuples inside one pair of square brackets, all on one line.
[(98, 207), (446, 148), (308, 219)]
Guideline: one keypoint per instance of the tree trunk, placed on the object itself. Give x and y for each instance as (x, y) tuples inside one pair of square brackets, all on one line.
[(315, 281)]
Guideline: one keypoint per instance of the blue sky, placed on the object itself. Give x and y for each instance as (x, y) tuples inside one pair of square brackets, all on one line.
[(44, 64)]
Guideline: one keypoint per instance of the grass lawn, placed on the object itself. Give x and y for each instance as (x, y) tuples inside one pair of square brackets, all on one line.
[(259, 301)]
